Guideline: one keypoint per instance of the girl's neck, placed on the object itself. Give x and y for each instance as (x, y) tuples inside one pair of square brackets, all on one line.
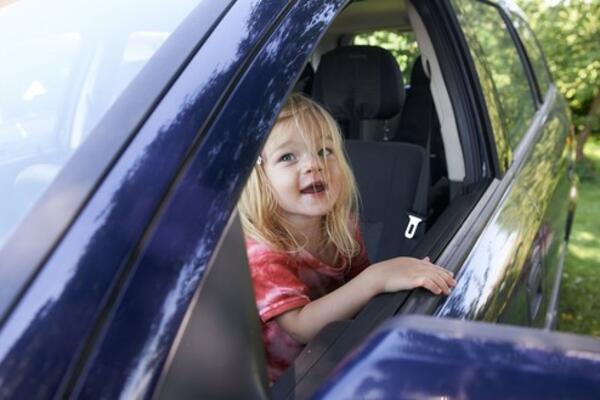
[(310, 235), (306, 230)]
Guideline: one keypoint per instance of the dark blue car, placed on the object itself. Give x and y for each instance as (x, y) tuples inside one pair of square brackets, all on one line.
[(128, 130)]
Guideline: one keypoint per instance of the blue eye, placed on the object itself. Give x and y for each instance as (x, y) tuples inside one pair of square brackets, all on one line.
[(287, 157), (324, 152)]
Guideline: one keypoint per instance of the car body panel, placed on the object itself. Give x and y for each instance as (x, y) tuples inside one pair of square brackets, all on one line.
[(179, 247), (423, 357), (127, 254), (556, 148), (509, 246), (549, 186), (505, 276), (78, 281)]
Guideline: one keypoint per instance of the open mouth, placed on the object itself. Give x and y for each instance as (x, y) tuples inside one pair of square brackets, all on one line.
[(314, 188)]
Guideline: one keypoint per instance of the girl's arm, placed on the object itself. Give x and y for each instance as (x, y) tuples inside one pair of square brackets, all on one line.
[(392, 275)]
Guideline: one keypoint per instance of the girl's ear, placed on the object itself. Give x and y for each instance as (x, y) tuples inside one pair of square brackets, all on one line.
[(259, 160)]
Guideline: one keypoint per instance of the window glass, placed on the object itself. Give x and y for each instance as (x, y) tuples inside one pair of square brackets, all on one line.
[(495, 53), (535, 54), (64, 63), (403, 45)]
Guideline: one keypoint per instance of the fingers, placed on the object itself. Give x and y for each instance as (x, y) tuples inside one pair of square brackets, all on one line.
[(439, 280), (441, 284), (407, 273), (448, 275), (444, 272), (430, 285)]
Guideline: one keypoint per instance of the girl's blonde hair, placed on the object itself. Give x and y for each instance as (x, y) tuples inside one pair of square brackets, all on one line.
[(259, 212)]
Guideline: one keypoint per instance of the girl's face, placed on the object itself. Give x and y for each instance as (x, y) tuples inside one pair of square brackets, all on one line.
[(304, 175)]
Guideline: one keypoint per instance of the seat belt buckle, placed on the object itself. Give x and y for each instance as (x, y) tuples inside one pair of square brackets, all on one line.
[(413, 225)]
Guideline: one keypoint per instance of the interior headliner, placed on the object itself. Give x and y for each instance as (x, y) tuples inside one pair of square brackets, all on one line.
[(369, 15)]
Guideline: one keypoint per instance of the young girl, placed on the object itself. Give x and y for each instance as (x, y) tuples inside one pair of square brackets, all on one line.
[(306, 254)]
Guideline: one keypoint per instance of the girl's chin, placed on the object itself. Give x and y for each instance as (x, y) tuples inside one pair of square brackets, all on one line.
[(318, 211), (310, 211), (322, 204)]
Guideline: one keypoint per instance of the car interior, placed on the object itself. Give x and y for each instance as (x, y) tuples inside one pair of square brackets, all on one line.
[(408, 165), (407, 150)]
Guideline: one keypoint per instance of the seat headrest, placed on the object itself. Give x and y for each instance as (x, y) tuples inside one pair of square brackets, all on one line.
[(418, 77), (359, 82)]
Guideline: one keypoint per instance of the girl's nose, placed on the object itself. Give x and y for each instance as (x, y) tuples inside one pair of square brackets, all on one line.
[(312, 164)]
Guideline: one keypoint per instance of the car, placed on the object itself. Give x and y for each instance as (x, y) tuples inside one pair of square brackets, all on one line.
[(129, 129), (423, 357)]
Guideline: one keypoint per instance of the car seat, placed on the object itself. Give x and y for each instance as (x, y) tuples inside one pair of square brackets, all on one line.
[(362, 87), (358, 84), (419, 123)]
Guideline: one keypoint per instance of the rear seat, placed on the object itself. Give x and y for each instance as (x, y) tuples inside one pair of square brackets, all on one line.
[(393, 180), (420, 124), (358, 84)]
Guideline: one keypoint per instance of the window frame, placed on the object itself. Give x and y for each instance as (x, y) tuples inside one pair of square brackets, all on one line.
[(523, 56), (511, 16), (237, 98)]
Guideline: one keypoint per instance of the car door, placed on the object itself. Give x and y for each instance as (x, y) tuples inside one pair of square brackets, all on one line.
[(556, 191), (63, 263), (100, 312), (63, 267), (504, 274), (180, 246)]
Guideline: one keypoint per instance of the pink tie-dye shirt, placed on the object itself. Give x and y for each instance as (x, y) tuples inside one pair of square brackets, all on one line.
[(283, 282)]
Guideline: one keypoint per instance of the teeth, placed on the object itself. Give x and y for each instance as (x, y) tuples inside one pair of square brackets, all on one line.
[(314, 188)]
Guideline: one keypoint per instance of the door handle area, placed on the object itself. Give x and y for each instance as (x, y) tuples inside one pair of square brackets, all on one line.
[(535, 283)]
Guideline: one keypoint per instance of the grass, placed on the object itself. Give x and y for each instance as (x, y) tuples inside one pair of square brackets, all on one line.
[(579, 308)]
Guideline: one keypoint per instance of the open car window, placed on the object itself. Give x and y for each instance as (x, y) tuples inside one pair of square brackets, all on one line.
[(410, 168)]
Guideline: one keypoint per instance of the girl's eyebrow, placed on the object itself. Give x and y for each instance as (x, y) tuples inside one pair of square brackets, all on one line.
[(280, 145), (290, 142)]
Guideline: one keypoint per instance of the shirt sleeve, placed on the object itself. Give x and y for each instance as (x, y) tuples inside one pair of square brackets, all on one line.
[(361, 261), (277, 286)]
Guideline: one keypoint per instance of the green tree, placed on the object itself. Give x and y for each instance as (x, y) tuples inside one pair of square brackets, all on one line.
[(403, 45), (569, 32)]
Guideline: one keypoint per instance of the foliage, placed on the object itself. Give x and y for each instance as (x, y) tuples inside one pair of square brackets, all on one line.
[(569, 32), (579, 309), (402, 45)]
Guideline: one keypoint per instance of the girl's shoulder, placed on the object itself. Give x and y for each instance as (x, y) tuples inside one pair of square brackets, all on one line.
[(259, 251), (255, 245)]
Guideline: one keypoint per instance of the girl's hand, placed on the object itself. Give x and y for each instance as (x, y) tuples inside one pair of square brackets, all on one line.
[(404, 273)]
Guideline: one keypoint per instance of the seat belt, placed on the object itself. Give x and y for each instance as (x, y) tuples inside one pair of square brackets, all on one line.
[(417, 216)]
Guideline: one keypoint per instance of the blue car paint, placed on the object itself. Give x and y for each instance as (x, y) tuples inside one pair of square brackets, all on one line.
[(422, 357), (59, 312), (179, 249), (500, 264), (83, 278)]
